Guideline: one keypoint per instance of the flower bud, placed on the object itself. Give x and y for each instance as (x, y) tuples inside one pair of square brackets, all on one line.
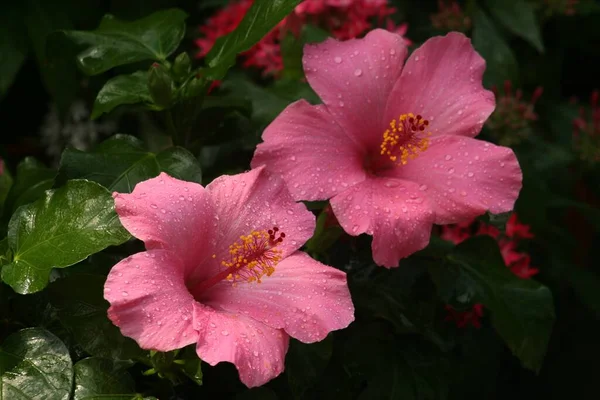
[(182, 66), (160, 85)]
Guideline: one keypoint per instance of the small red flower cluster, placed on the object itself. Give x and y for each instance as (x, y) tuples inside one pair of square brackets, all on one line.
[(566, 7), (344, 19), (510, 121), (517, 262), (450, 17), (586, 130)]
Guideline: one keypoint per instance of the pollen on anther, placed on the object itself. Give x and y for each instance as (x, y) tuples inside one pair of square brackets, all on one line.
[(406, 139), (254, 256)]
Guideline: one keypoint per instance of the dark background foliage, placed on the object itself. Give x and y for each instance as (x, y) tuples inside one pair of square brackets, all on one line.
[(400, 346)]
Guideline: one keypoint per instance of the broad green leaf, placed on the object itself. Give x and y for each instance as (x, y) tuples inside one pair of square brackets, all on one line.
[(260, 19), (304, 363), (522, 310), (519, 17), (83, 311), (100, 378), (35, 364), (117, 42), (501, 64), (32, 179), (13, 44), (120, 90), (62, 228), (121, 162), (55, 64)]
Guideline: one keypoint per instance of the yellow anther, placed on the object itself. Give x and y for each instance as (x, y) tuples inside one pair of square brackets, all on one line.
[(406, 139)]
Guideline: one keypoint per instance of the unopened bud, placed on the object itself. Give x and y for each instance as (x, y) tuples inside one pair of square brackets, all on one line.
[(160, 85), (182, 66)]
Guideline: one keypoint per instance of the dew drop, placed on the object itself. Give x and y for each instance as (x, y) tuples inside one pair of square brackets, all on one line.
[(154, 206), (338, 60), (124, 293), (225, 333), (358, 72), (448, 157)]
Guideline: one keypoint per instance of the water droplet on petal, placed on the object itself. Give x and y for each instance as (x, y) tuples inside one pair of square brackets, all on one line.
[(338, 60), (225, 333), (358, 72)]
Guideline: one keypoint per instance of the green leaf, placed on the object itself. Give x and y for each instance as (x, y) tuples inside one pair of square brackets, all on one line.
[(305, 363), (120, 162), (58, 230), (260, 19), (292, 47), (13, 45), (500, 59), (83, 311), (394, 368), (192, 366), (519, 17), (35, 364), (120, 90), (522, 310), (324, 236), (56, 67), (117, 42), (99, 378), (32, 179)]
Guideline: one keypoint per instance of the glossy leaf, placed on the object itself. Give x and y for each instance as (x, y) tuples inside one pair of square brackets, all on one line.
[(304, 363), (519, 17), (501, 64), (117, 42), (82, 310), (35, 364), (120, 90), (260, 19), (120, 162), (522, 310), (32, 179), (100, 378), (62, 228)]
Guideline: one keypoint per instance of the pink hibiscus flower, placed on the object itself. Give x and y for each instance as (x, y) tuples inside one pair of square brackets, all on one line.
[(222, 269), (392, 146)]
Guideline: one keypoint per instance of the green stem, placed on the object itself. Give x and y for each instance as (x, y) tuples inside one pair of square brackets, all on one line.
[(177, 140)]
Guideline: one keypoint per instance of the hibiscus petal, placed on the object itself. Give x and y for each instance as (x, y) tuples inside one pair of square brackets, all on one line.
[(256, 201), (304, 297), (167, 213), (465, 177), (442, 81), (150, 302), (256, 350), (354, 79), (395, 212), (311, 152)]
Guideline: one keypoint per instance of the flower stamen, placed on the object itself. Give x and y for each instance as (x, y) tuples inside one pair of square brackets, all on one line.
[(250, 258), (406, 138), (254, 256)]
